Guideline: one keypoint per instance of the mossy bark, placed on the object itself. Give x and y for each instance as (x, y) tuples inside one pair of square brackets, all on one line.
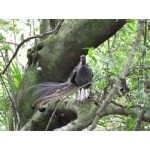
[(60, 54)]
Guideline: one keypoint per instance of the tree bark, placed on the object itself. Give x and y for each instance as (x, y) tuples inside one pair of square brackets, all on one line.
[(77, 116), (60, 55)]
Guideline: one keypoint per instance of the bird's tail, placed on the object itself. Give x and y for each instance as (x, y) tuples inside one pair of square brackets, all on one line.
[(50, 91)]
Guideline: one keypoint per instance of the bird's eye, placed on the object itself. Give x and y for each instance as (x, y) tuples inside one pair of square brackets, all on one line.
[(82, 57)]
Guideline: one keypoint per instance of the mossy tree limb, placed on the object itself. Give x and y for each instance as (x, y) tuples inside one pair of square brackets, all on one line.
[(60, 54), (76, 116)]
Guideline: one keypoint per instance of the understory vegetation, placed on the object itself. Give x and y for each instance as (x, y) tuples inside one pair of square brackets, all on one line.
[(129, 108)]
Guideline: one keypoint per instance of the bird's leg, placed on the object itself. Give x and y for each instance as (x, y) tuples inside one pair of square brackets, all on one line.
[(78, 92), (90, 93), (82, 95), (79, 95), (86, 94)]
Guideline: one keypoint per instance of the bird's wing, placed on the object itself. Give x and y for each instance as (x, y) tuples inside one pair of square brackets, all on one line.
[(73, 75)]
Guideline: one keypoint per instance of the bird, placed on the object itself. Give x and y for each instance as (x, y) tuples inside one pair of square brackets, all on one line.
[(82, 76), (79, 81)]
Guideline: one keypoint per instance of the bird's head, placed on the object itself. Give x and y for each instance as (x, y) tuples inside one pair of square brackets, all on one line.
[(83, 59)]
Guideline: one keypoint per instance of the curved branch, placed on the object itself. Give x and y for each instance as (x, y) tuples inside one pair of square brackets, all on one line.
[(83, 112), (139, 120), (84, 115), (69, 41), (121, 76), (30, 38)]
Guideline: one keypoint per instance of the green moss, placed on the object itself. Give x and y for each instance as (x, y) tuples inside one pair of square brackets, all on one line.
[(61, 53)]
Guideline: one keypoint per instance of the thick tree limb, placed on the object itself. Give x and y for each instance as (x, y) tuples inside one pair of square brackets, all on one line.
[(122, 75), (83, 115), (81, 111), (60, 55)]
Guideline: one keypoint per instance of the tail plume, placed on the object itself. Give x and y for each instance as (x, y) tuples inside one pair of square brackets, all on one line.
[(49, 91)]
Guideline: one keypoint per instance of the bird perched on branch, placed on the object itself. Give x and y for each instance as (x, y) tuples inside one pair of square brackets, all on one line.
[(82, 77), (80, 81)]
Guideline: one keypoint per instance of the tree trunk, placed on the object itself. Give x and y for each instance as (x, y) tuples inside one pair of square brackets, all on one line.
[(57, 59)]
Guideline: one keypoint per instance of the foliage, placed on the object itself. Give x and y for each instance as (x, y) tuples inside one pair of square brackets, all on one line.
[(106, 61), (15, 30), (16, 76)]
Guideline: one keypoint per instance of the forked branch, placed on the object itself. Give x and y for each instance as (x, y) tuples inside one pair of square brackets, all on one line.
[(122, 75)]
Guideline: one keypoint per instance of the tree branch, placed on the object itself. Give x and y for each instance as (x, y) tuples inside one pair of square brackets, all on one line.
[(26, 40), (139, 120), (84, 114), (121, 76), (69, 41), (5, 42)]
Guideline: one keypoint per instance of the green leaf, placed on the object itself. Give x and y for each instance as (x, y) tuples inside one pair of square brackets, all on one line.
[(28, 24), (17, 20), (22, 37), (117, 53), (36, 29), (90, 51), (16, 76), (124, 33), (130, 27), (131, 21), (94, 59), (101, 123), (122, 39), (86, 48), (1, 37), (5, 47)]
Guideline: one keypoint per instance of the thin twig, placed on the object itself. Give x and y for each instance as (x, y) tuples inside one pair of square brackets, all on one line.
[(139, 120), (14, 32), (14, 108), (5, 42), (52, 115), (32, 37), (35, 41), (10, 81), (54, 112), (117, 104), (122, 75)]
